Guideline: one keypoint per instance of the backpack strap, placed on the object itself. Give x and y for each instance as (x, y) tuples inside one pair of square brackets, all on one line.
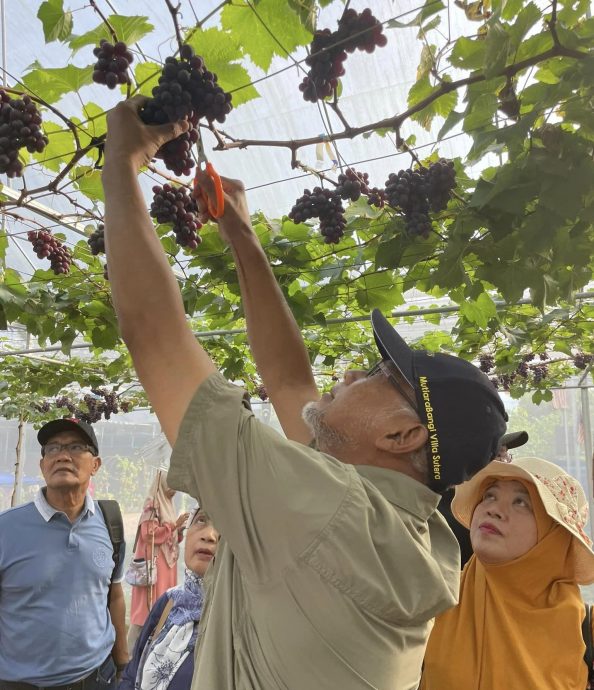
[(587, 634), (115, 527)]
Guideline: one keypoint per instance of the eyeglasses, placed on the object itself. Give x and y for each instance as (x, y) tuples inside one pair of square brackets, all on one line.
[(389, 370), (73, 449)]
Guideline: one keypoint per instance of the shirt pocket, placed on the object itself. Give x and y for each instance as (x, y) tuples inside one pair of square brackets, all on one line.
[(379, 556)]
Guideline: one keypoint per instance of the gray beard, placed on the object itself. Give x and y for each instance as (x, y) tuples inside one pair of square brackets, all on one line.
[(325, 437)]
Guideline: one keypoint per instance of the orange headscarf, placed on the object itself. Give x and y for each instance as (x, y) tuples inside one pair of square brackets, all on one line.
[(518, 624)]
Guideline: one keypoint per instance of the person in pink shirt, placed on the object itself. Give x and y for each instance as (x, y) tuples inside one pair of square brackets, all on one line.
[(159, 533)]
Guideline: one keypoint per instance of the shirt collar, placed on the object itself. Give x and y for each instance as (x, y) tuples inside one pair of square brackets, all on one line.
[(402, 490), (47, 512)]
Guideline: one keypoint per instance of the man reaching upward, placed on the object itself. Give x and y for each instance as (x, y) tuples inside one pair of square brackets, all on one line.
[(332, 560)]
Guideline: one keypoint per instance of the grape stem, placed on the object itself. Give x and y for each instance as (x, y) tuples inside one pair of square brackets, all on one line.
[(105, 20), (174, 12)]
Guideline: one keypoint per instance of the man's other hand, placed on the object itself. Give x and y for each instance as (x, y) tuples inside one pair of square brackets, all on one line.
[(236, 218), (130, 141)]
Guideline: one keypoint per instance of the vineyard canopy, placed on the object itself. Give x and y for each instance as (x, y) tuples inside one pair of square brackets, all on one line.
[(503, 89)]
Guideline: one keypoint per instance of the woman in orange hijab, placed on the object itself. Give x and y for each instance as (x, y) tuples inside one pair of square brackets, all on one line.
[(518, 625)]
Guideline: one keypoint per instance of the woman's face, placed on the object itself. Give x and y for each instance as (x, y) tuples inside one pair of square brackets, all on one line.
[(503, 525), (201, 544)]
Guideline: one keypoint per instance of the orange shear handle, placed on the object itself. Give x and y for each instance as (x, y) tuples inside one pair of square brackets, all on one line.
[(218, 209)]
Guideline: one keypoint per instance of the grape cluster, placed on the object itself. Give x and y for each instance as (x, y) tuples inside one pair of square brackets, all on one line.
[(100, 403), (540, 372), (376, 197), (581, 360), (96, 241), (486, 363), (262, 393), (351, 184), (186, 90), (325, 205), (112, 63), (329, 49), (177, 206), (20, 127), (416, 192), (46, 246)]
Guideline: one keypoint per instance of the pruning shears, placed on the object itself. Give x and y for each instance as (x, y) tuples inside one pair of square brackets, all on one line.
[(204, 165)]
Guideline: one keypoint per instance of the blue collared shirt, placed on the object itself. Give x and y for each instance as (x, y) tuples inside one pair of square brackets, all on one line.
[(55, 626)]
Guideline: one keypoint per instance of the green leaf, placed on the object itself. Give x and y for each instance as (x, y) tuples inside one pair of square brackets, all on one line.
[(57, 24), (468, 54), (479, 311), (526, 19), (306, 9), (52, 83), (430, 8), (222, 52), (128, 29), (268, 29), (442, 106), (88, 181), (60, 148), (147, 77), (497, 46)]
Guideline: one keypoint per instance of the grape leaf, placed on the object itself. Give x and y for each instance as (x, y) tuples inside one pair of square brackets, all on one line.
[(57, 24), (128, 29), (52, 83), (430, 8), (497, 47), (147, 76), (88, 181), (265, 31), (222, 52), (60, 148), (306, 9)]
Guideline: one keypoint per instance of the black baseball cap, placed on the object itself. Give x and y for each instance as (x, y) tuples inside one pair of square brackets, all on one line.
[(456, 402), (68, 424), (515, 439)]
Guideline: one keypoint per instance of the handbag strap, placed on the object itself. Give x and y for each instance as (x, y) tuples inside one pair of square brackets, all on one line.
[(587, 634), (161, 622)]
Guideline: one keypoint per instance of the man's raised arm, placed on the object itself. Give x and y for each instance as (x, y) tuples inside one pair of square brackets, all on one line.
[(170, 362), (274, 336)]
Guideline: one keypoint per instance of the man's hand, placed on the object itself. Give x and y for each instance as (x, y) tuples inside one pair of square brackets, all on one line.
[(236, 219), (130, 140)]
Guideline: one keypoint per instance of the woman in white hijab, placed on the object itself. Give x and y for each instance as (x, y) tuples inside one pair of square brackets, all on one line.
[(163, 657), (158, 536)]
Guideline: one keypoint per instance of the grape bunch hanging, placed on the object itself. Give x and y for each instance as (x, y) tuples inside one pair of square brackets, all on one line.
[(186, 90), (417, 192), (46, 246), (100, 403), (20, 127), (112, 63), (96, 240), (176, 205), (325, 205), (329, 49)]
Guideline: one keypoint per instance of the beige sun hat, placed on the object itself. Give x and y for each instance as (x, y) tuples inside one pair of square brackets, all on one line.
[(561, 494)]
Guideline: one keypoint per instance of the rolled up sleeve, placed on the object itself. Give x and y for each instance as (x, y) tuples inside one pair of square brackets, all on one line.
[(267, 496)]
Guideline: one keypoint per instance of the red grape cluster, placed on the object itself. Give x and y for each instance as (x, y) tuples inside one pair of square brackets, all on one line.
[(112, 63), (46, 246), (581, 360), (486, 363), (376, 197), (329, 49), (100, 403), (177, 206), (96, 241), (186, 90), (177, 153), (325, 205), (415, 192), (20, 127), (351, 184)]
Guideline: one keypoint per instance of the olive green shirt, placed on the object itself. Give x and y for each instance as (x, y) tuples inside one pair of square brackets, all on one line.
[(327, 575)]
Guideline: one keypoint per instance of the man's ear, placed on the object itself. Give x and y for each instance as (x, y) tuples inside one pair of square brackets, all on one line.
[(408, 437), (96, 465)]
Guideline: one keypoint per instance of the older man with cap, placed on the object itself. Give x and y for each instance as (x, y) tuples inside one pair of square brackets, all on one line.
[(62, 605), (333, 560)]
